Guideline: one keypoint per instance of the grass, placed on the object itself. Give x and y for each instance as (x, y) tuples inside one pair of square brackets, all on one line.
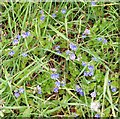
[(36, 68)]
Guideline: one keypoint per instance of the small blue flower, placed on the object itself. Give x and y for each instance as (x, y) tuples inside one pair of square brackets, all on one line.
[(114, 89), (56, 89), (54, 76), (68, 52), (41, 12), (93, 3), (57, 83), (15, 42), (24, 54), (16, 94), (72, 56), (42, 18), (84, 64), (93, 94), (91, 73), (83, 36), (28, 33), (104, 41), (73, 47), (25, 34), (79, 90), (85, 73), (39, 92), (97, 115), (87, 31), (11, 53), (81, 93), (53, 15), (99, 39), (18, 37), (91, 68), (63, 11), (94, 58), (39, 89), (21, 90)]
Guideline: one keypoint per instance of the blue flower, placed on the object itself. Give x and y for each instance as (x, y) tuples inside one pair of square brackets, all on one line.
[(68, 52), (63, 11), (91, 73), (114, 89), (97, 115), (72, 56), (86, 73), (39, 92), (25, 34), (24, 54), (104, 41), (41, 12), (93, 3), (53, 15), (99, 39), (94, 58), (83, 36), (21, 90), (56, 89), (79, 90), (39, 89), (54, 76), (91, 68), (15, 41), (73, 47), (11, 53), (57, 83), (84, 64), (93, 94), (16, 94), (87, 31), (81, 93), (18, 37), (42, 18)]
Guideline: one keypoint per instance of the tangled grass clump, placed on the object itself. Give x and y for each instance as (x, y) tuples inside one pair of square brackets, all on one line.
[(59, 59)]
